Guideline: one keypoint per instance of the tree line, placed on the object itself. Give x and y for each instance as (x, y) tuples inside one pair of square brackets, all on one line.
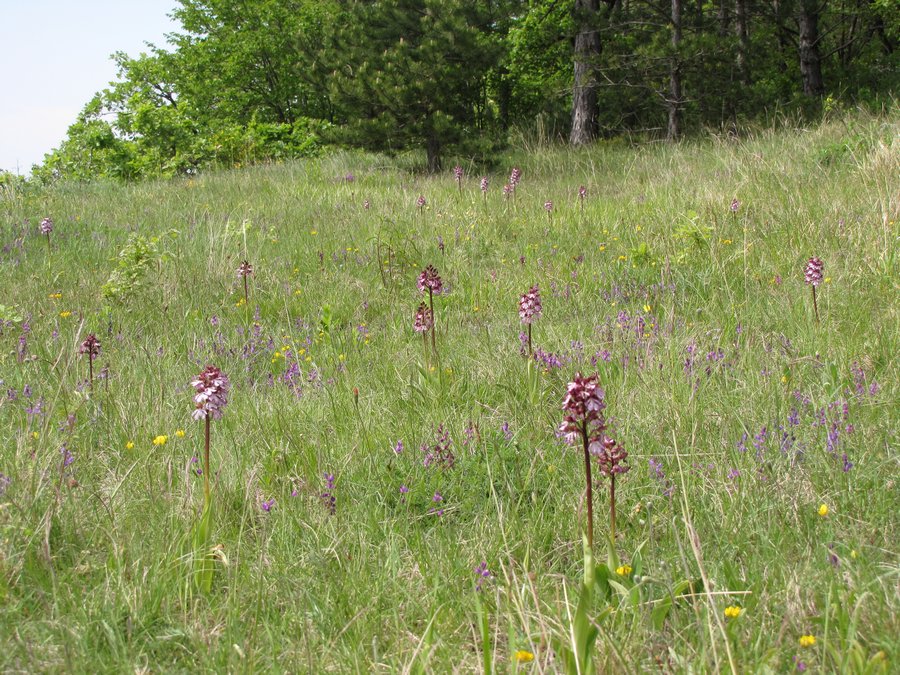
[(243, 81)]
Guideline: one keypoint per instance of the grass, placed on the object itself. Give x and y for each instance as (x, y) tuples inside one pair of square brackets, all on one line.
[(654, 272)]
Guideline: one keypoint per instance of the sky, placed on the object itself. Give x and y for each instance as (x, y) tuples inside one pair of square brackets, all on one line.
[(57, 56)]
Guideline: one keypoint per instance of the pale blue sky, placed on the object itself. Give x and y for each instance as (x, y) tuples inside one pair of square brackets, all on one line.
[(55, 56)]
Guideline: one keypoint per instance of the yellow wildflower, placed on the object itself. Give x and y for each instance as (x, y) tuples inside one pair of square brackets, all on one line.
[(732, 612), (129, 445), (35, 435), (55, 296), (823, 510), (807, 640), (624, 570), (647, 308), (160, 440), (180, 433), (524, 657), (65, 315)]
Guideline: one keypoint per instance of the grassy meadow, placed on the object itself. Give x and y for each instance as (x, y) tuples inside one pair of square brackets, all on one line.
[(426, 516)]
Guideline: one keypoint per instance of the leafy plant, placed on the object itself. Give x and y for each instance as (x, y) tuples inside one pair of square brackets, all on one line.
[(133, 263)]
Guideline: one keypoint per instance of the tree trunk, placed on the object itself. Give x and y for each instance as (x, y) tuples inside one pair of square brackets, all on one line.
[(433, 153), (674, 127), (584, 91), (742, 31), (810, 59)]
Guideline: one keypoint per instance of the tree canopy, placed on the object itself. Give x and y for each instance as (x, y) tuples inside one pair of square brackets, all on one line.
[(256, 80)]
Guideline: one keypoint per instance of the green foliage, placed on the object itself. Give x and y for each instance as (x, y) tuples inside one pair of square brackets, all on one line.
[(414, 73), (97, 558), (202, 555), (249, 82), (576, 647), (140, 255), (691, 231)]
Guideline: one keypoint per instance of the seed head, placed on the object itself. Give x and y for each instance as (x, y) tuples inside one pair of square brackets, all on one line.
[(424, 320), (814, 271), (212, 387), (530, 305), (429, 279), (91, 346), (245, 269), (47, 225)]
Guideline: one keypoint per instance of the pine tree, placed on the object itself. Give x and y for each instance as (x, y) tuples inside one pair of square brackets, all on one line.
[(413, 73)]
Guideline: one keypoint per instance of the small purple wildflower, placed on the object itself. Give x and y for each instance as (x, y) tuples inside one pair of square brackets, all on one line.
[(329, 501), (212, 388), (530, 305), (482, 574), (267, 504), (424, 319), (67, 456), (437, 499), (610, 456), (813, 272), (398, 448), (430, 280), (91, 346), (847, 465), (657, 468), (441, 453), (245, 269)]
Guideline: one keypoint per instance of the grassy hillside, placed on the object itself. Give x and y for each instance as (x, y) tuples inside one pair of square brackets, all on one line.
[(742, 417)]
